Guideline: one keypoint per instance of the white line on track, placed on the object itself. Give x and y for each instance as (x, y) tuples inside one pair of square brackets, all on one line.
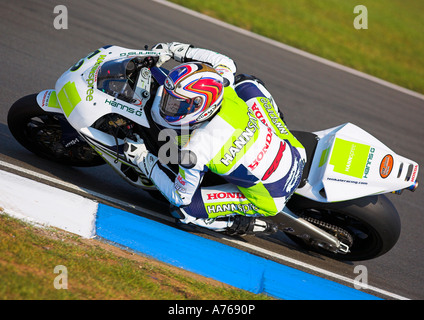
[(263, 251), (291, 49)]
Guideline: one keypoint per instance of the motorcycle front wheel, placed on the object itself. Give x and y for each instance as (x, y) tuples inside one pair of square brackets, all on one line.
[(370, 226), (49, 135)]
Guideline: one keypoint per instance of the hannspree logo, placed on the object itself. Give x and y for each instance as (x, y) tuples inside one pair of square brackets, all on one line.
[(241, 141), (92, 79), (124, 107), (368, 164), (352, 158)]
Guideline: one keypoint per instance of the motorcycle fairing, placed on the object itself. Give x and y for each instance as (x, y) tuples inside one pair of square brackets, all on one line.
[(47, 100), (350, 163), (76, 96), (83, 103)]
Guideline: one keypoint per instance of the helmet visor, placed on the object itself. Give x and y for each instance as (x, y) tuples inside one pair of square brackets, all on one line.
[(172, 106)]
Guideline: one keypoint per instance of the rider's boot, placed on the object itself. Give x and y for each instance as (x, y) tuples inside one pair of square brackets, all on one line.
[(231, 224), (242, 225)]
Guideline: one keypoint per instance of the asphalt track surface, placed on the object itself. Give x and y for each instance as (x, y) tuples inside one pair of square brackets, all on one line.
[(312, 96)]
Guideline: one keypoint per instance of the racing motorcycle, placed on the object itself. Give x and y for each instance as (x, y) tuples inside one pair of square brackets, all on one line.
[(338, 210)]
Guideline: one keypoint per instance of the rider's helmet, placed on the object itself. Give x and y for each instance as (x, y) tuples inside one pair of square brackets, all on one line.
[(192, 93)]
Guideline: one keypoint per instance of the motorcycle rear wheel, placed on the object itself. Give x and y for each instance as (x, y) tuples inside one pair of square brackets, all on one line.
[(372, 222), (41, 133)]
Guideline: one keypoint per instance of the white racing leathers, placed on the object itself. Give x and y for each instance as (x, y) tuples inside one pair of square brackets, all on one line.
[(246, 143)]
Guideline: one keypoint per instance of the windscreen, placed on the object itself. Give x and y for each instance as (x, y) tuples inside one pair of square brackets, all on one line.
[(116, 78)]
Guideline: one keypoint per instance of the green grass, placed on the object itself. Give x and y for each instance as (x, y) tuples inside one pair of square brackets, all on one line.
[(29, 255), (392, 48)]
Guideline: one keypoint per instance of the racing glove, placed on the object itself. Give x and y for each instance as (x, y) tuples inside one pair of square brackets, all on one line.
[(176, 50), (137, 153), (164, 53)]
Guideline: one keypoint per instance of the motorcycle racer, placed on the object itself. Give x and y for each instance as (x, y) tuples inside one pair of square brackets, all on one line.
[(235, 131)]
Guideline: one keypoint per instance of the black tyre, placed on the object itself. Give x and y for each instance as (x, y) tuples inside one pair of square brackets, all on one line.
[(48, 135), (371, 224)]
